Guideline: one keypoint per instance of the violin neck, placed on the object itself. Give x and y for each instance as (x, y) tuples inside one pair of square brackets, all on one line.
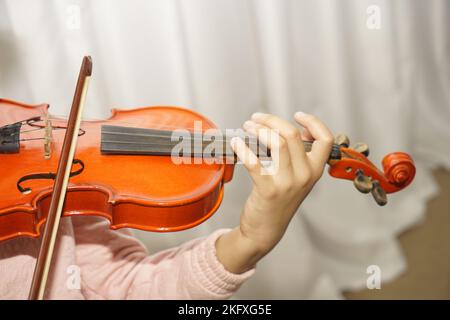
[(140, 141)]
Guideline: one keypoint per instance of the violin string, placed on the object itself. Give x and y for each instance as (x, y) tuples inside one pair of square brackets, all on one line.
[(27, 131), (249, 143), (209, 138), (34, 130), (162, 144), (307, 145), (255, 142), (41, 129), (31, 139), (147, 123), (158, 125), (196, 137), (168, 147), (227, 139), (204, 143), (154, 124)]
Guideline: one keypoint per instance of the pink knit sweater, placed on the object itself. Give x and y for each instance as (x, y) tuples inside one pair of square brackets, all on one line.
[(93, 262)]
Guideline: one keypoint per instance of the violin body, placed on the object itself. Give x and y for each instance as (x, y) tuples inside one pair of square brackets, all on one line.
[(146, 192)]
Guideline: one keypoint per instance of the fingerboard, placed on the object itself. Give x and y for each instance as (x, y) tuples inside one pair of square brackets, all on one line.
[(142, 141)]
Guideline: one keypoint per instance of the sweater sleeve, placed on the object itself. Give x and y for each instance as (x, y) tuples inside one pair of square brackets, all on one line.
[(116, 265)]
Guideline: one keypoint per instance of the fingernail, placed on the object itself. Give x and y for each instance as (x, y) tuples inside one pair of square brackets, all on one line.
[(299, 114), (257, 115), (248, 124)]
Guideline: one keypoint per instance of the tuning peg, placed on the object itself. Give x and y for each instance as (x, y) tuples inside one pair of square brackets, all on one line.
[(361, 148), (342, 140), (362, 183), (379, 194)]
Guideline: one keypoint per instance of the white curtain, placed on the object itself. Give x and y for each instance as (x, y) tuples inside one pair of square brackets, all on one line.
[(389, 87)]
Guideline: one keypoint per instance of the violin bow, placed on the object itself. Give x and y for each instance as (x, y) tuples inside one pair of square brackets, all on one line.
[(51, 226)]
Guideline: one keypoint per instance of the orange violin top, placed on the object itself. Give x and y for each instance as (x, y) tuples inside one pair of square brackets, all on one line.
[(147, 192)]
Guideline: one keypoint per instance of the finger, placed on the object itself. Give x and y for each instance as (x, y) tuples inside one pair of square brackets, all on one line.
[(289, 132), (306, 135), (270, 138), (307, 139), (249, 159), (322, 136)]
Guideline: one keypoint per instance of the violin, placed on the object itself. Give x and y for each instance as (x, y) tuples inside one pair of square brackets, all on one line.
[(124, 171), (156, 168)]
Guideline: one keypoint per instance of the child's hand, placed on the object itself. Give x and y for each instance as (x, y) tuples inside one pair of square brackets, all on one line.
[(275, 197)]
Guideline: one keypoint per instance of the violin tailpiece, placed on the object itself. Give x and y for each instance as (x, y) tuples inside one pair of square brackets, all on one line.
[(10, 138)]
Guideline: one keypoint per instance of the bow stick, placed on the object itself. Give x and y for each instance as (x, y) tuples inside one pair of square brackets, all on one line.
[(50, 231)]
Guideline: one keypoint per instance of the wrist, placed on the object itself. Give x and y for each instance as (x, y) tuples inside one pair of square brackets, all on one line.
[(238, 253)]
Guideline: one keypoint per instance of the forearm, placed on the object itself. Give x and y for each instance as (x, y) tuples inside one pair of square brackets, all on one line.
[(237, 252), (115, 265)]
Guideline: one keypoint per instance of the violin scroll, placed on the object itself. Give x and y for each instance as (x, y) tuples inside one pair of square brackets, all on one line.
[(398, 170)]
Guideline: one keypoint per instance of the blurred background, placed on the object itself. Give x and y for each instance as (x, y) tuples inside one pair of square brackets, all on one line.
[(376, 70)]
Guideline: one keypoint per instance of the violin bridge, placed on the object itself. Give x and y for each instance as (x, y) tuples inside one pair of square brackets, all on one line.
[(48, 137)]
